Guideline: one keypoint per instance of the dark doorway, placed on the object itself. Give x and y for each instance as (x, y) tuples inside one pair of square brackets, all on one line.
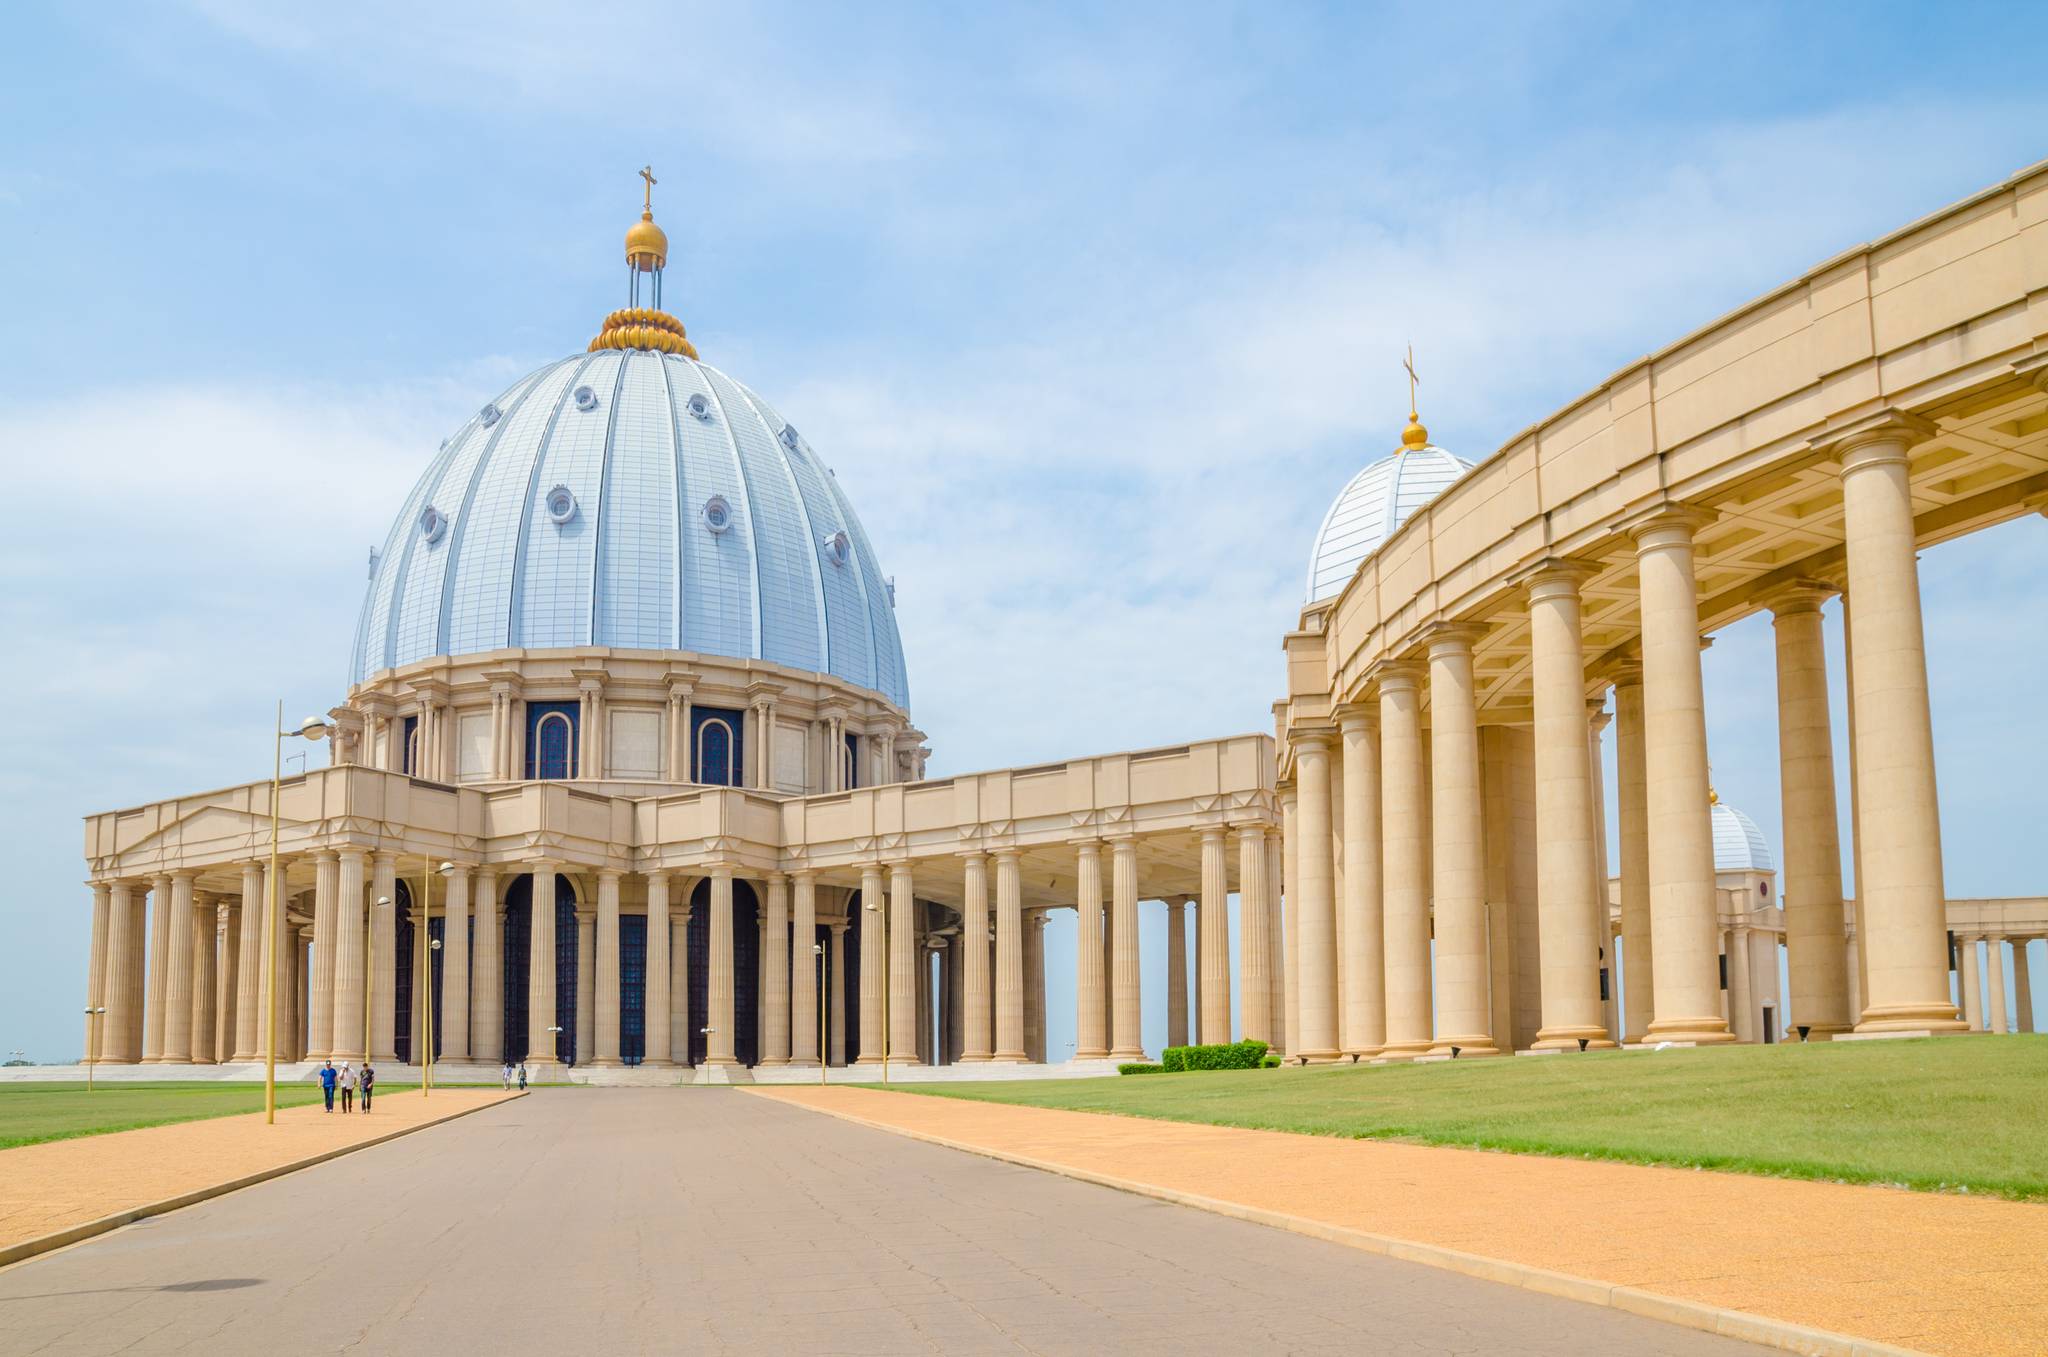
[(516, 949)]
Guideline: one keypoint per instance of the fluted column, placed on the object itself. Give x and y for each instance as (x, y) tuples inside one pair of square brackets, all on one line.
[(586, 982), (719, 1047), (1255, 958), (227, 1018), (1994, 989), (273, 1029), (1315, 912), (452, 1005), (1290, 921), (1215, 938), (803, 973), (382, 960), (606, 1052), (2022, 989), (123, 982), (1034, 987), (1816, 944), (903, 968), (159, 970), (1364, 1027), (487, 977), (1091, 1037), (974, 926), (1009, 958), (320, 979), (1571, 900), (1404, 821), (96, 970), (1685, 957), (205, 933), (775, 961), (1901, 901), (874, 962), (1126, 1037), (656, 1010), (540, 966), (1276, 984), (1632, 805), (249, 967), (177, 1024), (1457, 851), (835, 1048), (346, 1034), (1176, 971)]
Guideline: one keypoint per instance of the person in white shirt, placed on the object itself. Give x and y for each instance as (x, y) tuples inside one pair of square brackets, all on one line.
[(348, 1087), (508, 1076)]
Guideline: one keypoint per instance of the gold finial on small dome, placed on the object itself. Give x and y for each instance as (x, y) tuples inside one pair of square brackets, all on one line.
[(646, 243), (1414, 436), (1713, 797)]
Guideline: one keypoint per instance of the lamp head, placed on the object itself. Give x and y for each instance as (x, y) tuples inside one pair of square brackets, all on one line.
[(313, 728), (383, 900), (447, 869)]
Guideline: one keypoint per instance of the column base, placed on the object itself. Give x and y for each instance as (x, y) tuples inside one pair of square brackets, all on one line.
[(602, 1063), (1097, 1054), (1912, 1018), (1470, 1048), (652, 1064), (1568, 1039), (1018, 1057), (1694, 1031)]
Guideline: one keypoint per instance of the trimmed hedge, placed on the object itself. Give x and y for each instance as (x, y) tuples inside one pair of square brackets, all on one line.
[(1238, 1055), (1141, 1069)]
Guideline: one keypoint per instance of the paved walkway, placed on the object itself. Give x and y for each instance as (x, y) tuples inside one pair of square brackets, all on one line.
[(1932, 1272), (65, 1183), (706, 1220)]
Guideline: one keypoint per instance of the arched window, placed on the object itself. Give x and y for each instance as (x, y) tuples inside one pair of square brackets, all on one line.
[(849, 763), (714, 754), (552, 740)]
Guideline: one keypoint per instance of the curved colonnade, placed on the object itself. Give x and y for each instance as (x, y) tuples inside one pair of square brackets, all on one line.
[(1441, 727)]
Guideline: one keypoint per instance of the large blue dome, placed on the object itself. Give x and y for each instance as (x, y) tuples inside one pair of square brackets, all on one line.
[(638, 500)]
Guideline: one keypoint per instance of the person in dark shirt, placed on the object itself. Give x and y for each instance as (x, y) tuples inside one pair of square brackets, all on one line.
[(327, 1079), (368, 1080)]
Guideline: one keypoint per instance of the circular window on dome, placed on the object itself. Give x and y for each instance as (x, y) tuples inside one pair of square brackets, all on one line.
[(586, 399), (789, 437), (490, 415), (433, 523), (698, 407), (717, 514), (839, 549), (561, 504)]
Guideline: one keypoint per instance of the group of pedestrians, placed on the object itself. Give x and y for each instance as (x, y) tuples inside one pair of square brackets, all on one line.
[(346, 1081), (508, 1074)]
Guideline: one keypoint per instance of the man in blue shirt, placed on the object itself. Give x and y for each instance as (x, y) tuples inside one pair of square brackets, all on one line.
[(327, 1078)]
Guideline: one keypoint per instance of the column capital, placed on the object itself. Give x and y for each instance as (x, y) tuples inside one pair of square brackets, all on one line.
[(1884, 436), (318, 855), (181, 874), (539, 864), (1597, 715), (605, 875), (1797, 596), (1553, 575), (800, 875), (1665, 524), (1395, 675), (1356, 716), (1249, 832), (1304, 739), (973, 855), (1450, 638), (1006, 854), (837, 926), (1214, 833), (1086, 846)]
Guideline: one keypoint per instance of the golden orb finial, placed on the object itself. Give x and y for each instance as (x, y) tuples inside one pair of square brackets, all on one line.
[(646, 243), (1414, 436)]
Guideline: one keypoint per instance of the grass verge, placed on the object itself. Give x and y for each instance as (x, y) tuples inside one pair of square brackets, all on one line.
[(31, 1113), (1952, 1114)]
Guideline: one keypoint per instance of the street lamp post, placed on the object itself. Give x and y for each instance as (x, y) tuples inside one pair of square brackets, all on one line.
[(557, 1030), (312, 728), (92, 1045)]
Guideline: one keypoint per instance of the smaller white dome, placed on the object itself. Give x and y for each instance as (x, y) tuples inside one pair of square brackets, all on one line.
[(1378, 500), (1738, 844)]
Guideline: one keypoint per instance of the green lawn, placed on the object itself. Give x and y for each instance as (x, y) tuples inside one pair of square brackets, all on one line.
[(30, 1113), (1954, 1114)]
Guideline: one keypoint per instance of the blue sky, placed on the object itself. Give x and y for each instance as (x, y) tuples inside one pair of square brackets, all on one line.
[(1092, 310)]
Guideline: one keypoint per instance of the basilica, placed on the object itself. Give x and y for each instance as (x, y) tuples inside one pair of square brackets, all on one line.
[(626, 784)]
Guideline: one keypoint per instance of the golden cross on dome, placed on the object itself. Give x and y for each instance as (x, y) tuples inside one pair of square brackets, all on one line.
[(1412, 380), (647, 173)]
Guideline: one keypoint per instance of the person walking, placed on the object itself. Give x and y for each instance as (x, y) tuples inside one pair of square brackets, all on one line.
[(508, 1076), (368, 1080), (348, 1088), (522, 1076), (327, 1078)]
